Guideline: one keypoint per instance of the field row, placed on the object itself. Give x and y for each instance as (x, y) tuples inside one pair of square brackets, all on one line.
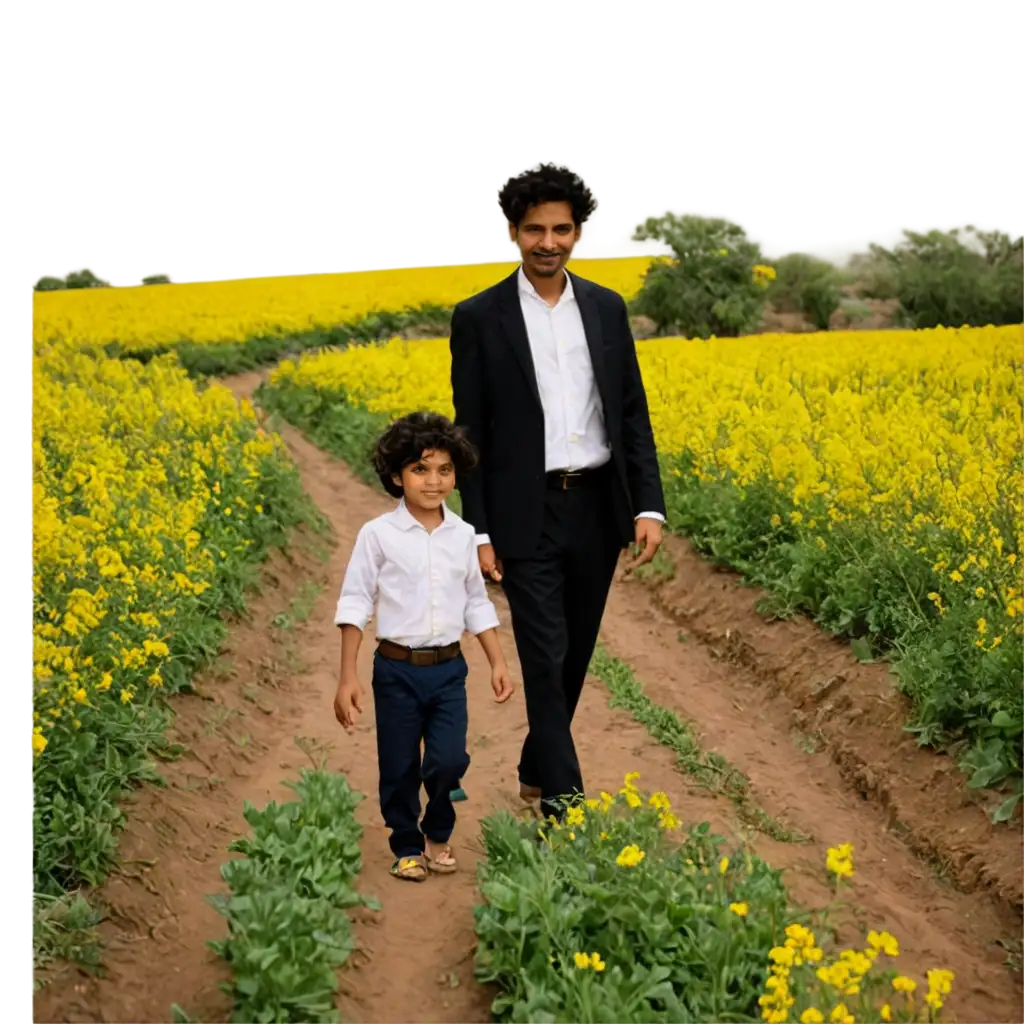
[(152, 503), (873, 480), (148, 317)]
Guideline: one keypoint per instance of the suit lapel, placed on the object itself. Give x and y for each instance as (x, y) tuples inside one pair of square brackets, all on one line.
[(592, 328), (511, 315)]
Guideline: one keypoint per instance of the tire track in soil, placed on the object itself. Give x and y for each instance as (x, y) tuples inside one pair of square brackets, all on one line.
[(814, 684), (415, 957)]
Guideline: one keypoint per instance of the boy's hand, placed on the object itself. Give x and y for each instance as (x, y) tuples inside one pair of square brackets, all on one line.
[(348, 702), (501, 683)]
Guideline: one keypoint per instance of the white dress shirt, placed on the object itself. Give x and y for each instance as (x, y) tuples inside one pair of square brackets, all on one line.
[(574, 433), (426, 587)]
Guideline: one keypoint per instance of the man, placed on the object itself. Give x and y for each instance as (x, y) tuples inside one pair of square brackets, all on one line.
[(546, 383)]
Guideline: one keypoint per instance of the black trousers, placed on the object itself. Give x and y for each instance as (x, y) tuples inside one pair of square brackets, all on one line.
[(414, 705), (557, 598)]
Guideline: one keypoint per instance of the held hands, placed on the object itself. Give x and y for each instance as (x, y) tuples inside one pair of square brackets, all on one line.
[(648, 540), (348, 702), (489, 564)]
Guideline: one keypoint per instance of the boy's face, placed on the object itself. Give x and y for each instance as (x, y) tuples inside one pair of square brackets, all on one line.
[(428, 482), (545, 237)]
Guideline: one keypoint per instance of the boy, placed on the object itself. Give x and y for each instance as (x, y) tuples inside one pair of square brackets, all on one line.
[(417, 566)]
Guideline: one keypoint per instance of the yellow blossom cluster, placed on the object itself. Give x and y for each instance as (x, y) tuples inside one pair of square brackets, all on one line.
[(135, 472), (592, 961), (152, 316), (886, 424), (917, 426), (836, 989), (806, 981), (839, 860)]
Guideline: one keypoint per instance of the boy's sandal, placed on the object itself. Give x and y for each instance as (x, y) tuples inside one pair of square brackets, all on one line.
[(410, 869), (444, 863)]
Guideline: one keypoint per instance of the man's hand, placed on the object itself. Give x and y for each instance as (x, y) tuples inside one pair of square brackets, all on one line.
[(348, 702), (501, 683), (648, 540), (489, 565)]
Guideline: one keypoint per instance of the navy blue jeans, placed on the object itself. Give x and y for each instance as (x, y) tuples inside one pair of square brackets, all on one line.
[(416, 704)]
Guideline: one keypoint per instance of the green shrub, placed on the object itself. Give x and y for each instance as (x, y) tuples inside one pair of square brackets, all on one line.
[(805, 284), (287, 927), (615, 915), (951, 278), (662, 918), (710, 286), (73, 275), (50, 284)]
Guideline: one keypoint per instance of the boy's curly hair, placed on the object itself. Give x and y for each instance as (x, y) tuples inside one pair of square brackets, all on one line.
[(405, 441), (546, 183)]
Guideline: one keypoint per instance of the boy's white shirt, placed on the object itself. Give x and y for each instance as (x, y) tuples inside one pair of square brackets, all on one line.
[(426, 588)]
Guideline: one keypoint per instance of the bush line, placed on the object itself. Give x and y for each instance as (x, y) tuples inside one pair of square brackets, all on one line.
[(219, 359)]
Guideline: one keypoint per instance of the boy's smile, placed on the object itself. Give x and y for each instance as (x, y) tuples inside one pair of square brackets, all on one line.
[(428, 481)]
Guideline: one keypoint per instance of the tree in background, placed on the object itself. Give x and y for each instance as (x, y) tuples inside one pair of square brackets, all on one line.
[(156, 279), (76, 279), (807, 285)]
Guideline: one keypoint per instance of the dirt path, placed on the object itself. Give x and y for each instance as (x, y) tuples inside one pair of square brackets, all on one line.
[(415, 960)]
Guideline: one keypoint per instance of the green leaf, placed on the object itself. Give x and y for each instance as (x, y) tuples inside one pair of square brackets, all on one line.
[(247, 985), (862, 650), (986, 775), (1005, 810)]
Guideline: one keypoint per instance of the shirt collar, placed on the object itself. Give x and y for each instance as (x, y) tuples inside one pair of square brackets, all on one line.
[(526, 288), (405, 520)]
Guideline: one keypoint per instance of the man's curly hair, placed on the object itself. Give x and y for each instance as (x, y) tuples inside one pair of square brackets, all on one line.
[(546, 183), (405, 441)]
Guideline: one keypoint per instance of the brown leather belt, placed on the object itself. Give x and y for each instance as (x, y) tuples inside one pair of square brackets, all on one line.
[(419, 656), (566, 479)]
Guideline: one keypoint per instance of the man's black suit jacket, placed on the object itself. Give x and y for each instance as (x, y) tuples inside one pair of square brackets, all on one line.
[(494, 389)]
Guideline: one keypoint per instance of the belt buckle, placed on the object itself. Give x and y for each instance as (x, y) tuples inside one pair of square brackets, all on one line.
[(567, 475), (423, 657)]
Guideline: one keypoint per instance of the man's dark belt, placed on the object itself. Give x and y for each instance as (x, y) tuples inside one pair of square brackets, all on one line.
[(419, 655), (566, 479)]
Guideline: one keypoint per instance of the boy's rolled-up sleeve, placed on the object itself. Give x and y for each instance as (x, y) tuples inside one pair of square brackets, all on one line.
[(481, 614), (359, 588)]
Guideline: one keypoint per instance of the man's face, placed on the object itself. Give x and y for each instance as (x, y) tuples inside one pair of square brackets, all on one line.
[(545, 237)]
